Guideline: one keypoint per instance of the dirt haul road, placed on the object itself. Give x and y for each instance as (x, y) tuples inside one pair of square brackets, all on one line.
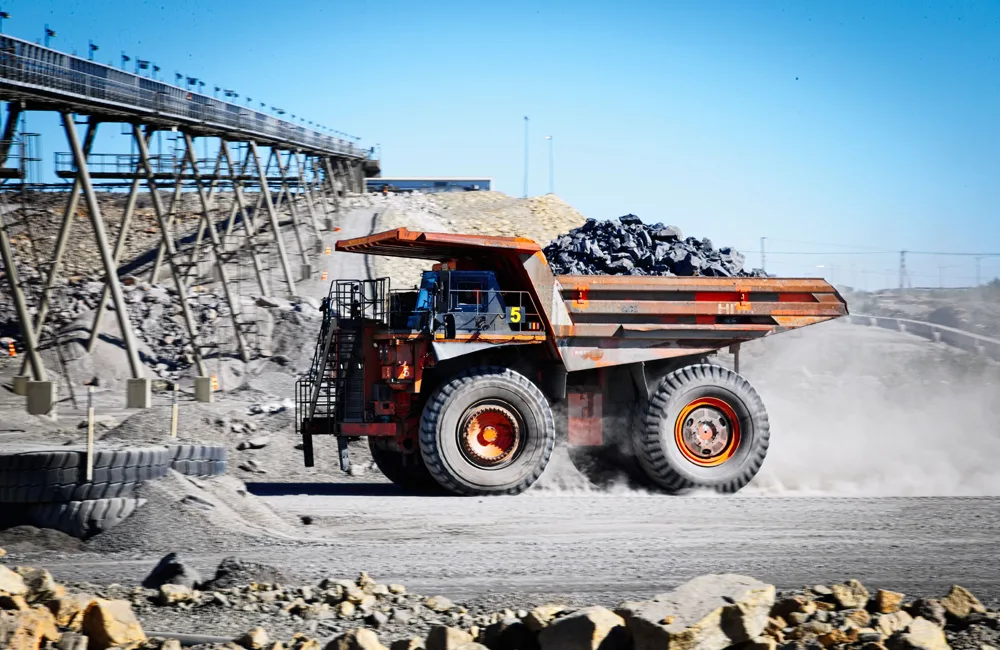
[(882, 467), (864, 479)]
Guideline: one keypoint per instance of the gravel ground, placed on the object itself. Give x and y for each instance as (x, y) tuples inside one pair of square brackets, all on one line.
[(855, 412)]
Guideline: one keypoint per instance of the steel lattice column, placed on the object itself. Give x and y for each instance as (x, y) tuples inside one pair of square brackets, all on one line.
[(23, 319), (168, 245), (273, 215), (110, 270), (248, 220), (217, 249), (62, 239), (119, 249)]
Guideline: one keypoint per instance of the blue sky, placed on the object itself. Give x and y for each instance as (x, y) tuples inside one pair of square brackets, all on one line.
[(854, 126)]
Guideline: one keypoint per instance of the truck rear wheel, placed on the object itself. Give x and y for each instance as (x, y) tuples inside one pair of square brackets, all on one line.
[(705, 427), (487, 431), (405, 470)]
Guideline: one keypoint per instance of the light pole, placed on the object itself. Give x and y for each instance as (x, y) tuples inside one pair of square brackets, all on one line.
[(48, 34), (525, 156), (3, 14), (552, 182)]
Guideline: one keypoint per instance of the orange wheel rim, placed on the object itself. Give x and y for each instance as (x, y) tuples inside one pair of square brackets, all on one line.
[(489, 435), (707, 431)]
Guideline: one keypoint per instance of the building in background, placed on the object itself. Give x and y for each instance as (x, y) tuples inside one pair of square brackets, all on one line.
[(417, 184)]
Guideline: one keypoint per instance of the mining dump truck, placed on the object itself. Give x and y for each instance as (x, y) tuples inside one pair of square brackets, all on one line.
[(466, 383)]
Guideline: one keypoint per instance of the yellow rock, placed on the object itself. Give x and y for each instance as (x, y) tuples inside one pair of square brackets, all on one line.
[(859, 617), (27, 629), (447, 638), (587, 629), (255, 639), (541, 616), (888, 602), (172, 594), (356, 639), (2, 552), (41, 585), (111, 623), (345, 609), (960, 602), (12, 583), (850, 595), (69, 610)]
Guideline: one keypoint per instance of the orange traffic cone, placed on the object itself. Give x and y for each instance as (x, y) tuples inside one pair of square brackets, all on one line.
[(323, 276), (11, 350)]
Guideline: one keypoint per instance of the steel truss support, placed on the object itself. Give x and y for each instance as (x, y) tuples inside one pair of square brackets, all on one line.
[(316, 186), (119, 249), (9, 131), (300, 171), (287, 191), (168, 245), (248, 221), (178, 184), (193, 260), (62, 239), (331, 179), (273, 215), (23, 319), (217, 249), (110, 270)]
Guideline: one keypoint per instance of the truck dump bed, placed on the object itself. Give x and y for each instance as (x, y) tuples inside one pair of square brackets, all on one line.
[(603, 320)]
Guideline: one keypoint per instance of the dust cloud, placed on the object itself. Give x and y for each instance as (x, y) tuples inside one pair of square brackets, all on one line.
[(858, 411), (855, 411)]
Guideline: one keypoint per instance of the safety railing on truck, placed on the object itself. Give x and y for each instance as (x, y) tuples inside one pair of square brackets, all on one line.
[(475, 310)]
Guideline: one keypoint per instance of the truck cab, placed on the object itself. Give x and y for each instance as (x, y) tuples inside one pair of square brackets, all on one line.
[(461, 301)]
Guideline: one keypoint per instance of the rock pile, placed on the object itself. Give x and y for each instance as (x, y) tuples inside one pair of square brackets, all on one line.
[(712, 612), (627, 246)]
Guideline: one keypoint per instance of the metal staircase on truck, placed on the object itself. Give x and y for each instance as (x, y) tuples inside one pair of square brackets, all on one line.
[(333, 390)]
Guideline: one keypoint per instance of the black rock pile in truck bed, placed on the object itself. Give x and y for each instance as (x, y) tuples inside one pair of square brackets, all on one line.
[(626, 246)]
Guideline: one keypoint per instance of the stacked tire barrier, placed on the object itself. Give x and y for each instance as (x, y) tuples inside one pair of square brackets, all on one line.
[(974, 343), (48, 487)]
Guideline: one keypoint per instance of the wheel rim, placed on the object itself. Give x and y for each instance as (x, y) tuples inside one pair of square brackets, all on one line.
[(707, 431), (489, 435)]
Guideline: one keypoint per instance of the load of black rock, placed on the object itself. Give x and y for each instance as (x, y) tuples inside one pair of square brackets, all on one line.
[(627, 246)]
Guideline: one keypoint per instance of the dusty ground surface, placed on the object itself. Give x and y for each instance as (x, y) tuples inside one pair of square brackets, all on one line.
[(882, 467)]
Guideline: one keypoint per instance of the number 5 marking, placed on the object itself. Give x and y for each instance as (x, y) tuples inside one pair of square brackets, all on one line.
[(515, 314)]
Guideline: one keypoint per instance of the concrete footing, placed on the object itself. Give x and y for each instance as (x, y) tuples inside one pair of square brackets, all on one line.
[(41, 397), (203, 389), (21, 385), (329, 224), (305, 271), (138, 395)]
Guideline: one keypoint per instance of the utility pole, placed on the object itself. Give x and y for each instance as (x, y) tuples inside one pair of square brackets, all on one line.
[(979, 268), (552, 182), (763, 255), (525, 156), (902, 269)]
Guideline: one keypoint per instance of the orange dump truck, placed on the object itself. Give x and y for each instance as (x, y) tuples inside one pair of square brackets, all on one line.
[(467, 382)]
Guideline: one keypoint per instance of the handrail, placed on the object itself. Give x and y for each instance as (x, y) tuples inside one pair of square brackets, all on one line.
[(34, 69)]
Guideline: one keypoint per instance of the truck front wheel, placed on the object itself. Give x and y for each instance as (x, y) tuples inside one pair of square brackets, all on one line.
[(704, 427), (487, 431)]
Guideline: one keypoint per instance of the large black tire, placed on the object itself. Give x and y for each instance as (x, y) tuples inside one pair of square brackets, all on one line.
[(486, 387), (661, 456), (82, 519), (412, 476), (198, 460), (59, 475)]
